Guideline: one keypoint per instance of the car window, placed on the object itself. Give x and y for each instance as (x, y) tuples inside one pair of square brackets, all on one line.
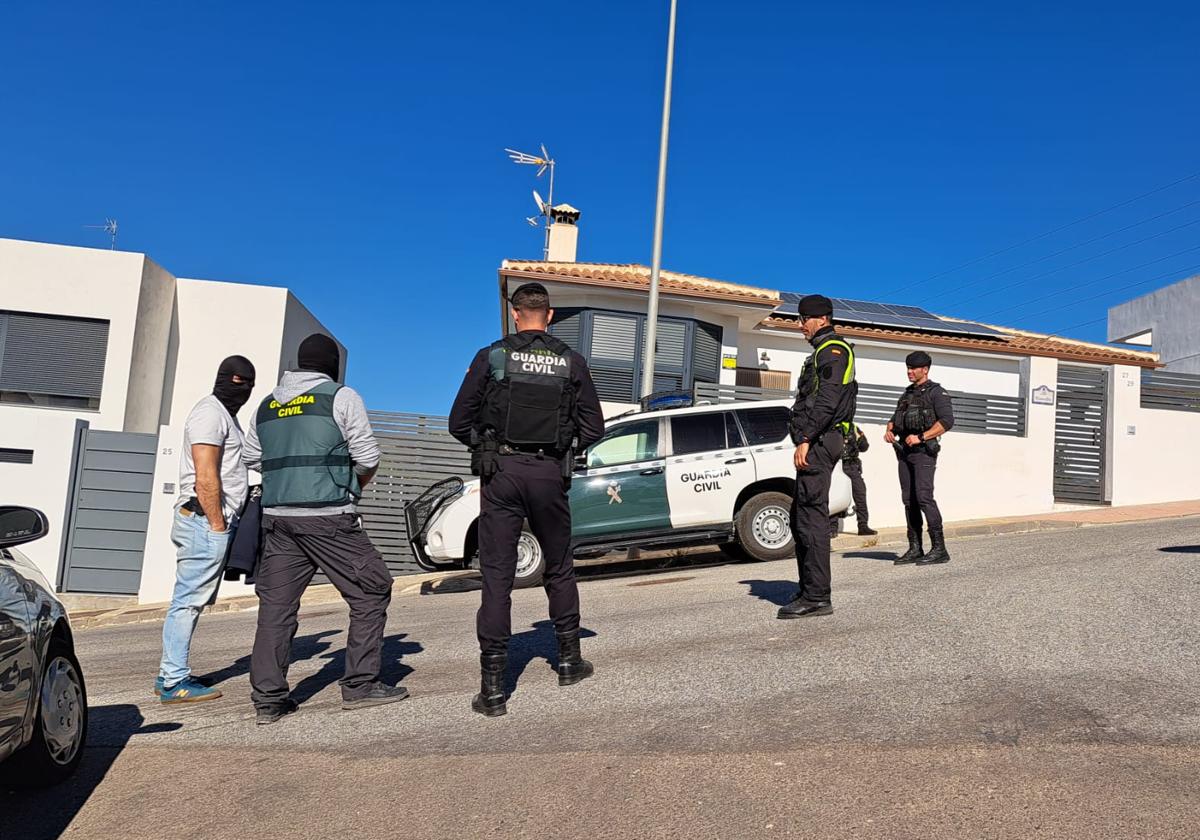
[(732, 433), (625, 444), (697, 433), (765, 425)]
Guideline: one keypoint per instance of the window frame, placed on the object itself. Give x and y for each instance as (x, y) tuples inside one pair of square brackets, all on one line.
[(616, 431)]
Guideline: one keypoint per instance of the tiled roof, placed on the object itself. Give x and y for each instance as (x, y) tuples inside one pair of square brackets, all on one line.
[(636, 276), (1013, 342)]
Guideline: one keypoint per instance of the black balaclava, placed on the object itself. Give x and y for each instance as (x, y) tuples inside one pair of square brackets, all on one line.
[(233, 395), (319, 353)]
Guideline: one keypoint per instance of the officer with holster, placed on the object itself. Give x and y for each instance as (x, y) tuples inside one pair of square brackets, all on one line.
[(923, 415), (856, 443), (526, 406), (826, 398)]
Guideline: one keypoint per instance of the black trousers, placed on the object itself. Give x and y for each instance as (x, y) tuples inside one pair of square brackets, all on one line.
[(916, 488), (810, 516), (294, 547), (533, 489), (853, 471)]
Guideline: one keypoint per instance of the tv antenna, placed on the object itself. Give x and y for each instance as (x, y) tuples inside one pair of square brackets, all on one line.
[(544, 207), (109, 227)]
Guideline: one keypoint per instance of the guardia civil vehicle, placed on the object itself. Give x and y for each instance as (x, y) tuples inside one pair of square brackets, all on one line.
[(711, 474)]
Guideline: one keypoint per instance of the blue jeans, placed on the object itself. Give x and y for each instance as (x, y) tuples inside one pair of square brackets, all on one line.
[(198, 565)]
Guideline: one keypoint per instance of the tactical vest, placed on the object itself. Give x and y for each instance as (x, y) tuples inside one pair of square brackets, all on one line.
[(916, 411), (529, 403), (810, 384), (305, 457)]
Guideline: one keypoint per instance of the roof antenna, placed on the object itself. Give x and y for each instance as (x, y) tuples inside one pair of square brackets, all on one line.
[(544, 207), (109, 227)]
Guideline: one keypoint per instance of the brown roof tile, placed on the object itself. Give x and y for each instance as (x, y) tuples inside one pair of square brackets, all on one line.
[(638, 277), (1013, 342)]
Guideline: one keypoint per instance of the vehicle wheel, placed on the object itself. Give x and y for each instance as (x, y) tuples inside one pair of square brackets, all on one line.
[(60, 727), (764, 527), (531, 561)]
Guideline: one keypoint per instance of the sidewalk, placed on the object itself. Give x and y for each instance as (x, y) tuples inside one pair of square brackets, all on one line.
[(413, 584)]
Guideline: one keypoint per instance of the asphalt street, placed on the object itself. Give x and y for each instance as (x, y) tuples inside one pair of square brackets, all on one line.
[(1040, 685)]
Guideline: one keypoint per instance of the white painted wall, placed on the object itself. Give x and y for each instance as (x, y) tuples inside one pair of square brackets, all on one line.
[(1154, 453), (151, 338), (45, 483)]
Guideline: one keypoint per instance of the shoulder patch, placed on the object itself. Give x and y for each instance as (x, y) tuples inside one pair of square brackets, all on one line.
[(835, 351)]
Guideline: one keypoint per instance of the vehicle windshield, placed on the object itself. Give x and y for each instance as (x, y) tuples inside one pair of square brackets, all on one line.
[(626, 443)]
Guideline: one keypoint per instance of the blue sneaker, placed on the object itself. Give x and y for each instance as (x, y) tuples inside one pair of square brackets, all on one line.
[(158, 683), (188, 691)]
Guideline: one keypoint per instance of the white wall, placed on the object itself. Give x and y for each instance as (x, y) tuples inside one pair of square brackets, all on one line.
[(45, 483), (1154, 453), (151, 337), (84, 283)]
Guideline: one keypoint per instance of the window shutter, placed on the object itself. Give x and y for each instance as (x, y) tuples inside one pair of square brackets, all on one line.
[(706, 353), (51, 355), (568, 328), (611, 356)]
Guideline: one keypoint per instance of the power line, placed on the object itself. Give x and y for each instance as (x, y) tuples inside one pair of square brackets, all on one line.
[(1062, 251), (1090, 282), (1059, 229), (1126, 287), (1078, 263)]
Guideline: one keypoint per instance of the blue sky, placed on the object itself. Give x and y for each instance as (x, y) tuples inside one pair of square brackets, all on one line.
[(353, 152)]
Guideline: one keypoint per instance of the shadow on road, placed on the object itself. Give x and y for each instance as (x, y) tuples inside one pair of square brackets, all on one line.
[(777, 592), (303, 647), (536, 643), (1181, 549), (45, 814), (392, 670), (889, 556)]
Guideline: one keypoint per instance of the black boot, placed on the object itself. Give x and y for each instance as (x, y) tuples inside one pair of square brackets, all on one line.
[(490, 699), (865, 530), (938, 553), (915, 551), (571, 666)]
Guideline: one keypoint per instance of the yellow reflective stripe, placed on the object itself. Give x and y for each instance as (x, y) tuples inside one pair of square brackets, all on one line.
[(849, 375)]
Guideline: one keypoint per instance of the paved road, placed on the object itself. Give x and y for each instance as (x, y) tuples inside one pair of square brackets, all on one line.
[(1042, 685)]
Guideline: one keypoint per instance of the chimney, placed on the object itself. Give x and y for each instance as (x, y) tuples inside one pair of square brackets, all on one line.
[(564, 233)]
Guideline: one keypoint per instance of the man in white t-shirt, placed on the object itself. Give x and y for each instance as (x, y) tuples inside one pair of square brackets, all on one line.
[(212, 488)]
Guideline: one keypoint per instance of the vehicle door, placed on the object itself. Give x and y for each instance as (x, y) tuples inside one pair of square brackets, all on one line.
[(16, 657), (767, 435), (707, 467), (623, 488)]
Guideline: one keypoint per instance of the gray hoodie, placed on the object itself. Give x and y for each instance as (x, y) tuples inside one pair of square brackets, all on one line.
[(349, 413)]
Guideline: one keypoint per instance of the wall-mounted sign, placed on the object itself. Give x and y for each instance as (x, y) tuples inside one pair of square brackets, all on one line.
[(729, 361), (1043, 395)]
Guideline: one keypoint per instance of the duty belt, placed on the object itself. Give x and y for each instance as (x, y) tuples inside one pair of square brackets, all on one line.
[(541, 452)]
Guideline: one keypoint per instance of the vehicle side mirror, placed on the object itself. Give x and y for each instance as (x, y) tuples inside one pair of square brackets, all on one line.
[(20, 525)]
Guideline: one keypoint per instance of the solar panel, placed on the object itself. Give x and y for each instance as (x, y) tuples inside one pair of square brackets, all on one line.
[(895, 316)]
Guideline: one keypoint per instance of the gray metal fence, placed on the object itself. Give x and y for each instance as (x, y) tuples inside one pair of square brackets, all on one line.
[(977, 413), (1170, 391), (417, 452), (1080, 434)]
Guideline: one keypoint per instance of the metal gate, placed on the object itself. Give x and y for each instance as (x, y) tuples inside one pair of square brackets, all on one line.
[(109, 513), (1080, 434)]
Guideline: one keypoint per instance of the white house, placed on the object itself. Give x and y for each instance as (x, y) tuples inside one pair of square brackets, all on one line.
[(102, 356), (1043, 422)]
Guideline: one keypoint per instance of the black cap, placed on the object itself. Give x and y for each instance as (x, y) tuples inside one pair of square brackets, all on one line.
[(814, 306), (529, 288), (918, 358)]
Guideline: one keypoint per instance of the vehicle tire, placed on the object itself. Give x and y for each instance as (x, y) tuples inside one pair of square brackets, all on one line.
[(60, 726), (531, 561), (764, 526)]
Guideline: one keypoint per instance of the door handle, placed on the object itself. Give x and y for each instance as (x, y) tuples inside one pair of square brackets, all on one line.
[(651, 471), (736, 461)]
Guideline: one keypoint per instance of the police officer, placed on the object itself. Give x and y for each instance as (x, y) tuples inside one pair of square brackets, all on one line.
[(826, 398), (855, 444), (923, 415), (525, 407)]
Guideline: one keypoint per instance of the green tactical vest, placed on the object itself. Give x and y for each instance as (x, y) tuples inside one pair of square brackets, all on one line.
[(305, 458)]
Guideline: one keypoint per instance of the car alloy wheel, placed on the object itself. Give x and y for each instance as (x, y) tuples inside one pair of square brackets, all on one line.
[(771, 527), (62, 710)]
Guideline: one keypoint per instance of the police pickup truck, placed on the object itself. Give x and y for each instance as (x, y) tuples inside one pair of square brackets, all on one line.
[(714, 474)]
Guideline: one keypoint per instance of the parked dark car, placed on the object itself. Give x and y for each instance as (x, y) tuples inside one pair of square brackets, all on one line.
[(43, 701)]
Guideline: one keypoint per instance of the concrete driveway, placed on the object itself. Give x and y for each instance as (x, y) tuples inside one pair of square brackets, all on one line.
[(1040, 685)]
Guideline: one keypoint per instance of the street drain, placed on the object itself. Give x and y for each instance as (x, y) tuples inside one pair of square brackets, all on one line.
[(656, 581)]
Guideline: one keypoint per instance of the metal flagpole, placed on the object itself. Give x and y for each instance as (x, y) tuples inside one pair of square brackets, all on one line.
[(656, 259)]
